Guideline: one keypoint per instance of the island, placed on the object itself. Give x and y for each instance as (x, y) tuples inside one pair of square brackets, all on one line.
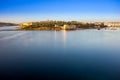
[(61, 25)]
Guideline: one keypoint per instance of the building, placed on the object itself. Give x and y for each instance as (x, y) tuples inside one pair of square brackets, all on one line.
[(23, 25), (112, 24), (69, 27), (27, 24), (57, 28)]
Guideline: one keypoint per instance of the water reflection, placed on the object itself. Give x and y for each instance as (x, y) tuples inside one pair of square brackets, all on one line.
[(64, 34)]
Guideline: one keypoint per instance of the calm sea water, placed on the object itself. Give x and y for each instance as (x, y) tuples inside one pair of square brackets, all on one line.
[(60, 55)]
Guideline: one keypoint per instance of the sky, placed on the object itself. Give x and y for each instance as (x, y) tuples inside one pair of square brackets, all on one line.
[(18, 11)]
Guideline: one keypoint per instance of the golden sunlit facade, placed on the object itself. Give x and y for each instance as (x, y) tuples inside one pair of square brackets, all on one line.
[(27, 24)]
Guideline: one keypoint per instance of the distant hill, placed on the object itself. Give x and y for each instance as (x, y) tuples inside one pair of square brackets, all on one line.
[(2, 24)]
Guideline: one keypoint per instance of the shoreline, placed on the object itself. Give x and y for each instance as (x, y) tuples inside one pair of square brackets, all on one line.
[(42, 29)]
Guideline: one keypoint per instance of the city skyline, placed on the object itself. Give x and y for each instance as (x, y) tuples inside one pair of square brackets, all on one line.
[(81, 10)]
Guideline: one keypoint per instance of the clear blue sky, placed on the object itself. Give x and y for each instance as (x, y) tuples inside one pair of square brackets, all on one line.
[(81, 10)]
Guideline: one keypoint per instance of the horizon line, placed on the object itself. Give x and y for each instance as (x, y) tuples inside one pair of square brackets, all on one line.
[(18, 22)]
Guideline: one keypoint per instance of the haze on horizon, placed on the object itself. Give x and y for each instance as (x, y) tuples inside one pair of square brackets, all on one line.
[(81, 10)]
